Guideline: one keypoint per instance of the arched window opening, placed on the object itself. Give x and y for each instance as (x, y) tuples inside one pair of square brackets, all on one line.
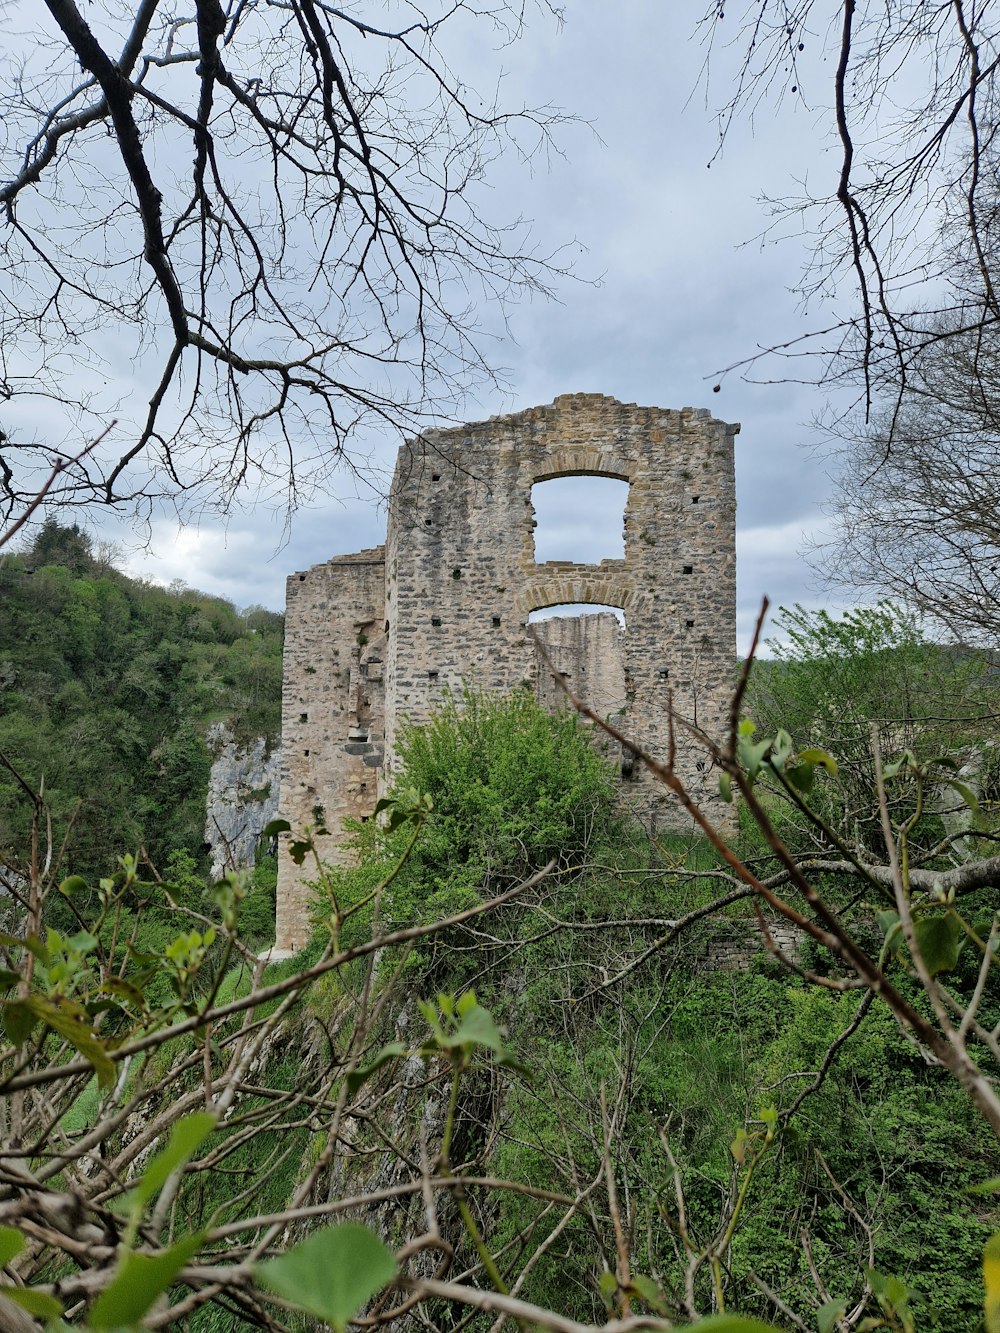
[(585, 646), (580, 519), (574, 610)]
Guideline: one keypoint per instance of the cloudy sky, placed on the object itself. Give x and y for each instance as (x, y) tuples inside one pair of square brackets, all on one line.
[(674, 288)]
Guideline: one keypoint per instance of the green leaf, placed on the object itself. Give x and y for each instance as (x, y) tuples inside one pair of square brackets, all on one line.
[(125, 989), (943, 761), (819, 759), (18, 1020), (476, 1028), (276, 826), (8, 978), (738, 1147), (186, 1137), (73, 884), (828, 1315), (768, 1115), (752, 756), (38, 1303), (299, 850), (892, 1294), (966, 793), (939, 939), (726, 788), (889, 925), (138, 1281), (647, 1290), (509, 1061), (608, 1286), (802, 777), (393, 1051), (11, 1244), (62, 1020), (781, 748), (332, 1273), (907, 760), (30, 942)]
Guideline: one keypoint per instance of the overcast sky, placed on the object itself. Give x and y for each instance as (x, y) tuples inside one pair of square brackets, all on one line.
[(680, 289)]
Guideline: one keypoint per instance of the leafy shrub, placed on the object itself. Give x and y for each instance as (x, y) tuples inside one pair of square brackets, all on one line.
[(513, 786)]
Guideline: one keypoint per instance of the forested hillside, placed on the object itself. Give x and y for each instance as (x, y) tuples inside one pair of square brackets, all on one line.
[(107, 688)]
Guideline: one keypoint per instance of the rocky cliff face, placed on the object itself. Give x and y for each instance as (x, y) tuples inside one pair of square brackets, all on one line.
[(242, 797)]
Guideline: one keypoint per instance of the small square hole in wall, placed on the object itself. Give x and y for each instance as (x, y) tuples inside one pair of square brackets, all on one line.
[(427, 522), (663, 673), (303, 717), (496, 622), (689, 569), (689, 624), (435, 476), (695, 499), (432, 675), (436, 621), (306, 753)]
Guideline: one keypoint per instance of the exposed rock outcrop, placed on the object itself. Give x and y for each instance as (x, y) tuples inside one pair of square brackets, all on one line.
[(242, 797)]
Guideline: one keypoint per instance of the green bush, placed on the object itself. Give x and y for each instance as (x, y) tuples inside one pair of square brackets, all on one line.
[(513, 786)]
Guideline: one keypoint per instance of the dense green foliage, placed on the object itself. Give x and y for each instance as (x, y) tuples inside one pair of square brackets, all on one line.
[(107, 687), (831, 680), (869, 1170), (512, 788), (772, 1143)]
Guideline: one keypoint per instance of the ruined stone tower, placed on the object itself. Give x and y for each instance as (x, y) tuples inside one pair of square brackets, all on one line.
[(373, 638)]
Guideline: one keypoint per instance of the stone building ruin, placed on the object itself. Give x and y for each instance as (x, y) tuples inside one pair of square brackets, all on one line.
[(379, 636)]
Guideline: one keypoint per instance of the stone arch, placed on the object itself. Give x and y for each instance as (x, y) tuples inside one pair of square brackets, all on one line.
[(582, 461), (579, 585)]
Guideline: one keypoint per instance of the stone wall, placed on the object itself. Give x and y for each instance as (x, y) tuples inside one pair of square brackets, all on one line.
[(730, 944), (461, 577), (588, 653), (332, 711), (448, 602)]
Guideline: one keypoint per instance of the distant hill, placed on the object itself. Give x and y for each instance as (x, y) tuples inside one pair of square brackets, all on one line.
[(107, 688)]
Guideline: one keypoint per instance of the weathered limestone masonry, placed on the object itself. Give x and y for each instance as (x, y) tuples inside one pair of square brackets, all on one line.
[(449, 598), (332, 710)]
